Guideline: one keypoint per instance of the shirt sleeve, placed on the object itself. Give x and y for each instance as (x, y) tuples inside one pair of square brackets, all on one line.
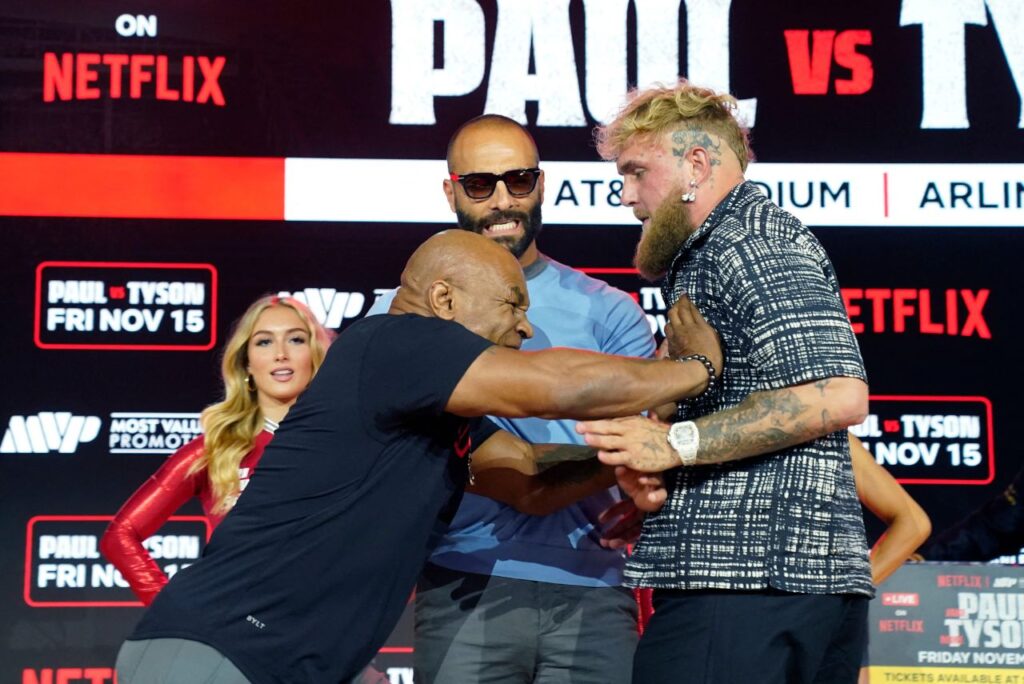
[(483, 430), (788, 303), (412, 366), (144, 513), (382, 303), (628, 332)]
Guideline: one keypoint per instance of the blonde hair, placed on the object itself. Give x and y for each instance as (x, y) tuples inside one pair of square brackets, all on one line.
[(231, 426), (660, 109)]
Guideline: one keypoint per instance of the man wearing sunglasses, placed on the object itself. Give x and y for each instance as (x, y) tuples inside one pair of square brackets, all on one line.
[(510, 597)]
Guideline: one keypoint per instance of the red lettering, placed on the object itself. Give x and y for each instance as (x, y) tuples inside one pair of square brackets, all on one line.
[(211, 72), (901, 309), (952, 320), (852, 310), (878, 297), (99, 675), (57, 76), (86, 74), (809, 64), (162, 91), (116, 63), (188, 78), (925, 304), (862, 71), (138, 76), (66, 674), (974, 320), (29, 676), (72, 76)]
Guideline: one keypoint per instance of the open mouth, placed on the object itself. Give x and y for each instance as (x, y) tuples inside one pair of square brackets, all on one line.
[(504, 228), (283, 374)]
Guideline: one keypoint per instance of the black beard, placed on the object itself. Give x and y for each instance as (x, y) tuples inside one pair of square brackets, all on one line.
[(669, 228), (531, 223)]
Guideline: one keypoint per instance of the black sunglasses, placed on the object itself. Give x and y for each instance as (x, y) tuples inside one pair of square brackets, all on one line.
[(518, 182)]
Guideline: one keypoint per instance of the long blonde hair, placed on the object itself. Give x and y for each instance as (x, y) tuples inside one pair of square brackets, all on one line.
[(231, 426)]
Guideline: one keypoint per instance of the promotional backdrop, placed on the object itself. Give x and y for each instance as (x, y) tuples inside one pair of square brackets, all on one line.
[(164, 164)]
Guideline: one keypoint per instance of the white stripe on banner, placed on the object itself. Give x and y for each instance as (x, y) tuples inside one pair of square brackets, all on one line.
[(587, 193)]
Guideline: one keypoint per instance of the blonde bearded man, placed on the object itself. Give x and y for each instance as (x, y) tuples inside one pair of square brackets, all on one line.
[(758, 559)]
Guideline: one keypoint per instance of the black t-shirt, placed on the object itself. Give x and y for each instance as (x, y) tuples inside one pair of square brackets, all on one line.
[(308, 574)]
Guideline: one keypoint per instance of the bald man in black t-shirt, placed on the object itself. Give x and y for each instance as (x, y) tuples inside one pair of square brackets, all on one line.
[(308, 574)]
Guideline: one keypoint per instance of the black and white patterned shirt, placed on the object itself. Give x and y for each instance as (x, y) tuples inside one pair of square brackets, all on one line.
[(789, 520)]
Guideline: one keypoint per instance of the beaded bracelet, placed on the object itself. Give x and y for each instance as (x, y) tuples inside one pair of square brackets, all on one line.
[(708, 366)]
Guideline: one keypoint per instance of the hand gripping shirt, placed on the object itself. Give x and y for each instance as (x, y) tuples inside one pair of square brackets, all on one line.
[(789, 520)]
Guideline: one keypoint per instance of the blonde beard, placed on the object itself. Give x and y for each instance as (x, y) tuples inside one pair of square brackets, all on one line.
[(669, 228)]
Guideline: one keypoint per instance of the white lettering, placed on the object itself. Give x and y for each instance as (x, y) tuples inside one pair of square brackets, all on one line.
[(414, 80), (944, 65), (540, 26)]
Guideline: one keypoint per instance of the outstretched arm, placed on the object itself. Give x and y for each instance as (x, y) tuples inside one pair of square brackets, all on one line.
[(565, 383), (761, 423), (908, 524)]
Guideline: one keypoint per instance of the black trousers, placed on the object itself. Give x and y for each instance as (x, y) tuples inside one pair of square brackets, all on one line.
[(735, 637)]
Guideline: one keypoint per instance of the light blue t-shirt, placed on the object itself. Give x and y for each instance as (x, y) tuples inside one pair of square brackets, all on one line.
[(567, 309)]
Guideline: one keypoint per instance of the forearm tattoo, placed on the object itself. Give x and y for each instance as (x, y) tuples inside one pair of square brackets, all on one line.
[(761, 423), (569, 472), (549, 455)]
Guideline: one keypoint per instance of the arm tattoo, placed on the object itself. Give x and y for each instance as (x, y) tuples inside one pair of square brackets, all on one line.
[(550, 455), (762, 423), (691, 137), (569, 472)]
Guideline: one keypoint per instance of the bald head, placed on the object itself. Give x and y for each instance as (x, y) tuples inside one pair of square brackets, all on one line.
[(488, 129), (466, 278)]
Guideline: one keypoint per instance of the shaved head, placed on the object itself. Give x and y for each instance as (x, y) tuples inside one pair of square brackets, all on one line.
[(483, 129), (464, 277)]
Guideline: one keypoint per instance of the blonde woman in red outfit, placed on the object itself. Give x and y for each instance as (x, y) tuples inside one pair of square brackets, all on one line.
[(274, 351)]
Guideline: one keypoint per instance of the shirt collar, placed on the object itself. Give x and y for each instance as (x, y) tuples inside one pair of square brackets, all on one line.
[(742, 194), (537, 267)]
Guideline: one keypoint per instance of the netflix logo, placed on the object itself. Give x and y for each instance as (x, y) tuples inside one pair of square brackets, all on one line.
[(91, 76), (909, 310)]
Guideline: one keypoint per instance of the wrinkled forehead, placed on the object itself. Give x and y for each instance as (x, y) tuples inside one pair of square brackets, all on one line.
[(504, 280)]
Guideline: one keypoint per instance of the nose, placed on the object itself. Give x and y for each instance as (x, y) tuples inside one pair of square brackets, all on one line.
[(281, 351), (501, 199), (525, 328), (628, 192)]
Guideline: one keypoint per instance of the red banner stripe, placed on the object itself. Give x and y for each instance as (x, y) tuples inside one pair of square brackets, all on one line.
[(129, 186)]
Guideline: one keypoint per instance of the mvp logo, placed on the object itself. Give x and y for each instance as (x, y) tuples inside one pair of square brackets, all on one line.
[(48, 431), (330, 306)]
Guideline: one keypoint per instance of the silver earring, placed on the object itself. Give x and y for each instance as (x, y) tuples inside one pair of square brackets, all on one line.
[(690, 196)]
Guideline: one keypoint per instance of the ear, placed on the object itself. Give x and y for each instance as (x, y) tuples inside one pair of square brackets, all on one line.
[(701, 164), (540, 188), (441, 300), (449, 193)]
